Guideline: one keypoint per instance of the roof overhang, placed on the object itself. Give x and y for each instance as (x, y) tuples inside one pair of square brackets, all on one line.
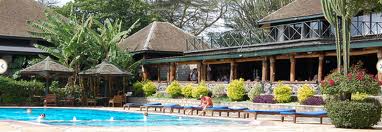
[(20, 50), (292, 19)]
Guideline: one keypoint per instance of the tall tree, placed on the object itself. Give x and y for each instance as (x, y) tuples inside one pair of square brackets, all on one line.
[(194, 16), (127, 11)]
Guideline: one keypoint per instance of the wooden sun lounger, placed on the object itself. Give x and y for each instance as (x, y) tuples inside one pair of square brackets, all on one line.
[(128, 105), (192, 108), (172, 108), (151, 106), (226, 110), (320, 114), (266, 112)]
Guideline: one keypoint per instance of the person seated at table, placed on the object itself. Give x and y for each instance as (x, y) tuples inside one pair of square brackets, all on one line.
[(205, 102)]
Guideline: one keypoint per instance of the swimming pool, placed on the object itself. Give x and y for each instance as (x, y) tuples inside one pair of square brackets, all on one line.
[(91, 117)]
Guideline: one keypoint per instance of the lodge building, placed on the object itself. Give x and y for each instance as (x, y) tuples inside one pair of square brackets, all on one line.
[(295, 45)]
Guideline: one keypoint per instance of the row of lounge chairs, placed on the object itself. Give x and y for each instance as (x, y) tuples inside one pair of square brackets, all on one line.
[(224, 109)]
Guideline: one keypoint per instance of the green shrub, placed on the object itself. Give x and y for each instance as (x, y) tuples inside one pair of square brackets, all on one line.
[(138, 89), (174, 89), (354, 114), (359, 96), (149, 88), (160, 95), (255, 91), (187, 91), (283, 93), (218, 91), (236, 90), (304, 92), (19, 92), (200, 90)]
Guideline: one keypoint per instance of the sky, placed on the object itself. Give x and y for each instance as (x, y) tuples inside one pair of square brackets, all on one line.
[(62, 2)]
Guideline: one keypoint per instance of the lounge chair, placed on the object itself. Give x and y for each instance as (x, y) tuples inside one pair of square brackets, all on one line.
[(172, 107), (151, 105), (192, 109), (226, 109), (50, 100), (266, 112), (118, 99), (128, 105), (317, 114)]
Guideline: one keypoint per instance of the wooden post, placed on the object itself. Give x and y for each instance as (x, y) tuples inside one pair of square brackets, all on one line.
[(264, 76), (203, 74), (158, 67), (199, 67), (172, 71), (145, 73), (320, 73), (233, 71), (379, 55), (272, 69), (292, 68)]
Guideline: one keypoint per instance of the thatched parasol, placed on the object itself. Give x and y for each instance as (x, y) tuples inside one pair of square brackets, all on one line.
[(107, 71), (47, 69)]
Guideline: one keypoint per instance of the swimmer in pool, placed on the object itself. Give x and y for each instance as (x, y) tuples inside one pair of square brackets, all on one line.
[(29, 110), (42, 116)]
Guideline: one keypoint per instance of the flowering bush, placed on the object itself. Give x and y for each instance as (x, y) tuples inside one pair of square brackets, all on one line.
[(283, 93), (236, 90), (256, 91), (314, 100), (355, 81), (200, 90), (149, 88), (174, 89), (218, 91), (264, 99), (187, 91), (304, 92)]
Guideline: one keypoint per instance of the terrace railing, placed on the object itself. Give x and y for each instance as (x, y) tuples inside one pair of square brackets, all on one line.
[(282, 33)]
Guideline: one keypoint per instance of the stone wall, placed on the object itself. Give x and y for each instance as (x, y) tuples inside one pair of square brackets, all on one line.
[(268, 87), (250, 105)]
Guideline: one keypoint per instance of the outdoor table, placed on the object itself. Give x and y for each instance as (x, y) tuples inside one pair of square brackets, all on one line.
[(102, 100)]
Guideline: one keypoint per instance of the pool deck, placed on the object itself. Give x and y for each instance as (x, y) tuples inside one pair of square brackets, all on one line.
[(263, 124)]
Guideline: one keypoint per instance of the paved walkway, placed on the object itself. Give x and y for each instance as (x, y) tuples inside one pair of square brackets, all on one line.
[(264, 124)]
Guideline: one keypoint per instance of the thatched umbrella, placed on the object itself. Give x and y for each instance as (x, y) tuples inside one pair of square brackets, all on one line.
[(47, 69), (106, 70)]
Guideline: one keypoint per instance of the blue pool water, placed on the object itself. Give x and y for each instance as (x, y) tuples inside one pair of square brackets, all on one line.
[(88, 117)]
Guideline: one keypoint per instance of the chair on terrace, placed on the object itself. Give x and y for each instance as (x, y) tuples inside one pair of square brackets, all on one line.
[(317, 114), (266, 112), (50, 100), (118, 99)]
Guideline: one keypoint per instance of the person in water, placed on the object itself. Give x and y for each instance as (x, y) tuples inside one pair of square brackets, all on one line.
[(42, 116), (205, 102), (146, 114)]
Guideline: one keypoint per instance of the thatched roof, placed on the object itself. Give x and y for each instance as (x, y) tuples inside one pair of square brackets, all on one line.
[(158, 36), (105, 68), (14, 15), (45, 67), (295, 10)]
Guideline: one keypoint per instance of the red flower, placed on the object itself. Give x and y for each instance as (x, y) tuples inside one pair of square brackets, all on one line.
[(331, 82), (360, 76), (350, 76)]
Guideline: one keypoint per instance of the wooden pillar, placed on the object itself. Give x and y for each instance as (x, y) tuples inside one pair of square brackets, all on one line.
[(158, 68), (172, 71), (320, 74), (203, 74), (264, 75), (379, 55), (233, 71), (145, 73), (292, 68), (272, 69), (200, 71)]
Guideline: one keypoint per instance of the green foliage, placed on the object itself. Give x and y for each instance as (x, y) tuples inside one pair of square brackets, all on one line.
[(149, 88), (200, 90), (236, 90), (359, 96), (174, 89), (255, 91), (19, 92), (304, 92), (283, 93), (218, 91), (187, 91), (355, 81), (160, 95), (354, 114), (138, 89)]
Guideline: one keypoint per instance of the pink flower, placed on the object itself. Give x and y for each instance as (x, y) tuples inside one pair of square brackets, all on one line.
[(350, 76), (360, 76)]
